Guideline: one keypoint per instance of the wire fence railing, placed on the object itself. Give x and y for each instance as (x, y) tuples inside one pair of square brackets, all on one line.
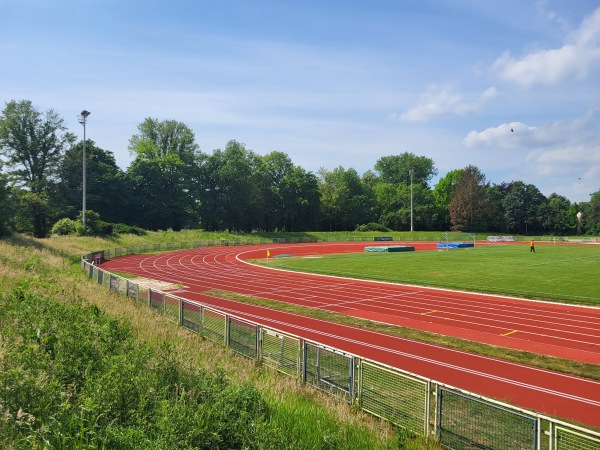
[(458, 419)]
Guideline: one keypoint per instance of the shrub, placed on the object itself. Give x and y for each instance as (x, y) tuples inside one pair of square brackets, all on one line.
[(64, 227), (121, 228), (94, 226), (372, 226)]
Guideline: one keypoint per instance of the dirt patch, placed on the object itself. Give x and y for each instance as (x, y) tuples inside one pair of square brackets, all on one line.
[(157, 284)]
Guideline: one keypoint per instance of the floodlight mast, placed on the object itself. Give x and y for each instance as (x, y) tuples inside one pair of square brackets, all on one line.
[(412, 173), (83, 120)]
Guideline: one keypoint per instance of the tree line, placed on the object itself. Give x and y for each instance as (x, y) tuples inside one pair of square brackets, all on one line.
[(171, 184)]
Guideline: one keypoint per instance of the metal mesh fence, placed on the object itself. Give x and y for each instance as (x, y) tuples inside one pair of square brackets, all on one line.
[(172, 308), (157, 300), (243, 337), (143, 295), (329, 370), (114, 283), (191, 316), (106, 281), (468, 423), (122, 290), (213, 325), (281, 352), (132, 290), (566, 439), (396, 397)]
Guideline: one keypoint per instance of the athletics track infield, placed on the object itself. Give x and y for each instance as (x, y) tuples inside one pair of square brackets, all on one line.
[(558, 330)]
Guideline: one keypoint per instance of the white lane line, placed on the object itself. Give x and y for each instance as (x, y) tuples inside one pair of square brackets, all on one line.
[(429, 360)]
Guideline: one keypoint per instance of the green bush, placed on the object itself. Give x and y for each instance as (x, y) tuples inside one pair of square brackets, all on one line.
[(121, 228), (64, 227), (372, 226), (94, 226)]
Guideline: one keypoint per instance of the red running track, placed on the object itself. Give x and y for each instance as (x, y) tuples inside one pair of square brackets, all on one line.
[(559, 330)]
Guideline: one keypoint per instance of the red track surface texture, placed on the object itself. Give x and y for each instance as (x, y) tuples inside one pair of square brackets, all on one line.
[(558, 330)]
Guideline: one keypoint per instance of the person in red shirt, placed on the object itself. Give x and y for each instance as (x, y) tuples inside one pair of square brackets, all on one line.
[(532, 247)]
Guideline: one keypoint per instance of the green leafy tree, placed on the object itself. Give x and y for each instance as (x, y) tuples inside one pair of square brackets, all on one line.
[(301, 193), (163, 174), (392, 186), (33, 213), (275, 167), (106, 189), (591, 214), (291, 194), (240, 192), (442, 195), (346, 200), (523, 208), (5, 203), (231, 190), (396, 169), (32, 143), (396, 206), (558, 216)]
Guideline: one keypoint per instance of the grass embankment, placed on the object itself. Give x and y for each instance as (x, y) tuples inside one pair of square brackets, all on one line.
[(83, 368)]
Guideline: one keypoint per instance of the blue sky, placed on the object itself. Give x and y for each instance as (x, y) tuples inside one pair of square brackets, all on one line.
[(330, 83)]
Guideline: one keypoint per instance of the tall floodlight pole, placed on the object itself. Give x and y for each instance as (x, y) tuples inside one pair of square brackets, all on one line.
[(411, 172), (83, 120)]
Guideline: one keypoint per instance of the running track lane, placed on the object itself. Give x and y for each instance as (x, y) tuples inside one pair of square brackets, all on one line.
[(551, 393), (559, 330)]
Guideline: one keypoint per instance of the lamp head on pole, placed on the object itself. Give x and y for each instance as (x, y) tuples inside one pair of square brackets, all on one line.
[(83, 117)]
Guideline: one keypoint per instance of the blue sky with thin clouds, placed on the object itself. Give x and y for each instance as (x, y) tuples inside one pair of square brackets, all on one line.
[(330, 83)]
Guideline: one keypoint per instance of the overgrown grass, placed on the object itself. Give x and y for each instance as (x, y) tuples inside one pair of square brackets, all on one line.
[(83, 368), (562, 272)]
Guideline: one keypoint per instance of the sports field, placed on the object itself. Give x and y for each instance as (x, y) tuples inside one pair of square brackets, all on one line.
[(560, 272)]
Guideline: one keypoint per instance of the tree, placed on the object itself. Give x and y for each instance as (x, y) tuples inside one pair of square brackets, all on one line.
[(470, 205), (301, 193), (158, 139), (163, 174), (33, 213), (591, 214), (32, 143), (442, 194), (5, 207), (290, 194), (523, 208), (396, 169), (345, 200), (557, 215), (275, 167), (106, 190), (233, 196)]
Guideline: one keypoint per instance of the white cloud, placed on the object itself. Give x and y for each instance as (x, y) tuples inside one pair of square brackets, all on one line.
[(504, 135), (561, 156), (574, 61), (443, 101)]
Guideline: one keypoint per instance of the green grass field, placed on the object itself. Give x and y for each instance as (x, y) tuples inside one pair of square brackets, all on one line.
[(561, 272)]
